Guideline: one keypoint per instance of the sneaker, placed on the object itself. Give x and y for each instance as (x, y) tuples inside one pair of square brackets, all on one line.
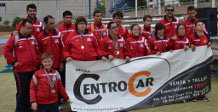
[(205, 98), (60, 108)]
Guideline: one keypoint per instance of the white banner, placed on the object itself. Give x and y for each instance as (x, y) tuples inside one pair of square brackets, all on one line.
[(98, 86)]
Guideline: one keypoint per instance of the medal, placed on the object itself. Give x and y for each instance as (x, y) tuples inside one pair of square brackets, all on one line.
[(53, 91), (82, 47), (117, 52)]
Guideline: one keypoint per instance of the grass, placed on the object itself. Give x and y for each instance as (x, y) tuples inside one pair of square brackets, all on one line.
[(8, 93)]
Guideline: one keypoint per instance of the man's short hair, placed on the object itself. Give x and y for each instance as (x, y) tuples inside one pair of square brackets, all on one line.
[(46, 18), (169, 6), (119, 14), (109, 24), (146, 17), (67, 13), (23, 23), (96, 11), (191, 8), (32, 6)]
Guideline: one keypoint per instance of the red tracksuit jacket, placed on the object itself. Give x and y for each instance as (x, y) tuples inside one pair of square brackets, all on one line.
[(22, 49), (66, 30), (190, 26), (109, 47), (99, 33), (123, 32), (199, 40), (51, 42), (160, 45), (179, 43), (170, 26), (83, 47), (138, 46), (40, 89)]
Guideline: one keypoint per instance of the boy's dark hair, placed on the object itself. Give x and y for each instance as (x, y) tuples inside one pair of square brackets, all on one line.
[(133, 25), (119, 14), (67, 13), (46, 55), (158, 26), (96, 11), (180, 24), (109, 24), (45, 20), (23, 23), (32, 6), (145, 17), (191, 8)]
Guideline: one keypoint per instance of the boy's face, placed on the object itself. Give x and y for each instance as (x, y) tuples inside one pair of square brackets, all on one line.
[(147, 22), (200, 26), (47, 63)]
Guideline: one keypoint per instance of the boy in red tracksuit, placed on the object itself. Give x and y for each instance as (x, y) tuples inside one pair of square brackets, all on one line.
[(160, 43), (182, 41), (23, 53), (199, 38), (137, 45), (45, 86), (114, 44), (147, 30), (118, 19)]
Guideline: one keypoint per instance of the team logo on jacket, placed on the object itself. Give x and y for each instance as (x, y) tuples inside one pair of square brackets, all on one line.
[(56, 41), (38, 30), (141, 45), (88, 39), (121, 44), (33, 43), (105, 34)]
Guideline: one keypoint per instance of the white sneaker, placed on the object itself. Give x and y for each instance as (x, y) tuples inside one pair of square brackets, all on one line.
[(60, 108)]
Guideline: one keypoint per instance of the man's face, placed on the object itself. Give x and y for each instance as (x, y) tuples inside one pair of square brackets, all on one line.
[(98, 17), (200, 26), (191, 14), (51, 24), (169, 11), (27, 29), (114, 29), (118, 20), (31, 12), (67, 19), (181, 30), (82, 26), (148, 22)]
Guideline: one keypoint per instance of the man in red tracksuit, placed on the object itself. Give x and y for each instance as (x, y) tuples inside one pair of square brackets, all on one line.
[(97, 28), (67, 26), (114, 44), (137, 45), (81, 44), (118, 19), (31, 16), (50, 41), (190, 21), (147, 31), (170, 22), (22, 52)]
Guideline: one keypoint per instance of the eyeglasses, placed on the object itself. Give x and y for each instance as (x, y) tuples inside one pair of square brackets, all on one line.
[(170, 10)]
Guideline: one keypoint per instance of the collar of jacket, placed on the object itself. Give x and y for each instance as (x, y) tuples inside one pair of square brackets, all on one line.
[(158, 38), (173, 19), (46, 33), (194, 20), (22, 36), (32, 20)]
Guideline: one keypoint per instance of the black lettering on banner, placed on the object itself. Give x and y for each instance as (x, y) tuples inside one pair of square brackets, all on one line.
[(77, 91), (124, 86)]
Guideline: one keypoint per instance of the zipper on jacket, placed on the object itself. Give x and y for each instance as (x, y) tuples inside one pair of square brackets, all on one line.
[(30, 50)]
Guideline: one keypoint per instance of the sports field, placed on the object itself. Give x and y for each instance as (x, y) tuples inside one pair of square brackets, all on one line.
[(8, 92)]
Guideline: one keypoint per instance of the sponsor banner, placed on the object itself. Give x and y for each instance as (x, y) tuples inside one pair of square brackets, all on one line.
[(144, 82)]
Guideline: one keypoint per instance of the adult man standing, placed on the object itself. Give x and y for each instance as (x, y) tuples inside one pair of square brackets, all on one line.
[(67, 26), (31, 16), (170, 22), (22, 52), (97, 28), (147, 30)]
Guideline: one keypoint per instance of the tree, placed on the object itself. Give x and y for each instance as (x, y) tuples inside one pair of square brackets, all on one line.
[(101, 6), (16, 21), (6, 23)]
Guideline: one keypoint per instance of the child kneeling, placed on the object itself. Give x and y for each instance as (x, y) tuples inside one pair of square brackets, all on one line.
[(45, 86)]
